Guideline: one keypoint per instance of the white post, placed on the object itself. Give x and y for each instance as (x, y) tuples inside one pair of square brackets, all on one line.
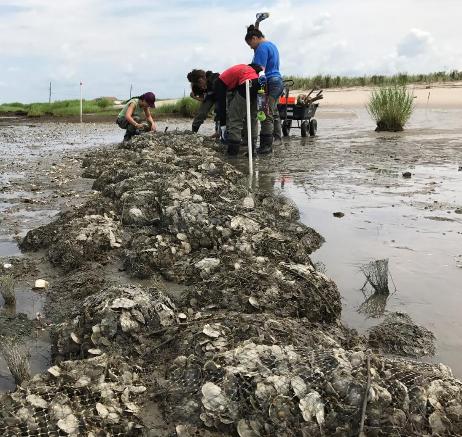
[(81, 102), (249, 127)]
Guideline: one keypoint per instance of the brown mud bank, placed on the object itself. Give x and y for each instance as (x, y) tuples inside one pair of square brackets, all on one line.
[(188, 306)]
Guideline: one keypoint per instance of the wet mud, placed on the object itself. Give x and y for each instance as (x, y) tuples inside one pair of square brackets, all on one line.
[(180, 303)]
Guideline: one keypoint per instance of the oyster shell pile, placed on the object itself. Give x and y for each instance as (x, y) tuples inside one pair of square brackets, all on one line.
[(97, 396), (254, 346)]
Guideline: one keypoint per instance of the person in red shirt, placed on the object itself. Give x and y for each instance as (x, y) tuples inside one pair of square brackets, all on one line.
[(230, 103)]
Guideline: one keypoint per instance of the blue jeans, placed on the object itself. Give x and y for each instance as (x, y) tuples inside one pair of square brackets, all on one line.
[(272, 125)]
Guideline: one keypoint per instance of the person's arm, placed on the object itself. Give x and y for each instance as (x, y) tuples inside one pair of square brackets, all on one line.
[(129, 116), (198, 98), (150, 120)]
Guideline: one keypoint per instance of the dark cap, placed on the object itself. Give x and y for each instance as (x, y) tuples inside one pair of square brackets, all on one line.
[(150, 99)]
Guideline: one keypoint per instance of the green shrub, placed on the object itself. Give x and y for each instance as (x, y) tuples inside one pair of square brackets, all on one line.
[(103, 103), (185, 107), (391, 107), (35, 111)]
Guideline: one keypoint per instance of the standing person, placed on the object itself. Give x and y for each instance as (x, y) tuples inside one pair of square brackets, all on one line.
[(267, 56), (231, 113), (202, 89), (131, 115)]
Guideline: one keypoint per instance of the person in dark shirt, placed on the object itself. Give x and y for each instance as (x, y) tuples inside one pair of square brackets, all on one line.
[(202, 89), (230, 102), (267, 56)]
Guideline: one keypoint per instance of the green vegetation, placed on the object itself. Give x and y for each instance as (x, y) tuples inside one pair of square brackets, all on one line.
[(185, 107), (391, 107), (59, 108), (328, 81)]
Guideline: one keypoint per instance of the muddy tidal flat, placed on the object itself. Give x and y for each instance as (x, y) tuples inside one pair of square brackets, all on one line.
[(171, 259)]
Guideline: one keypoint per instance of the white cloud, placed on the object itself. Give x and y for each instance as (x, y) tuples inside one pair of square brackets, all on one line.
[(415, 43), (110, 44)]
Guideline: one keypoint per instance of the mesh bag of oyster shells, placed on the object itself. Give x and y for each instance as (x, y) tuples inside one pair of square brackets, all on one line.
[(91, 397), (376, 273), (284, 289), (279, 390), (116, 320)]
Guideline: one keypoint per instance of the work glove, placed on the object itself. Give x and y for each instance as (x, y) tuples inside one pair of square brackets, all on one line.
[(261, 78)]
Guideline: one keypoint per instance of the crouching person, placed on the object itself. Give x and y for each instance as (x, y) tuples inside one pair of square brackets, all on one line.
[(202, 89), (232, 113), (131, 116)]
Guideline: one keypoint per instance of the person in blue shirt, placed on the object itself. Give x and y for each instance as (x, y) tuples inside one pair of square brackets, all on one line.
[(267, 56)]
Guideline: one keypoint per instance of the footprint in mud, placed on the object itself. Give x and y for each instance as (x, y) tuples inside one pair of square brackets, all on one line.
[(459, 261)]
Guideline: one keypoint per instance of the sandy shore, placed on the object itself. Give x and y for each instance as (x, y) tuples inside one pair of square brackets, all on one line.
[(444, 95)]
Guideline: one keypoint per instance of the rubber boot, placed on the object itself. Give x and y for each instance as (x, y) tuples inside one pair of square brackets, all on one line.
[(233, 147), (266, 144)]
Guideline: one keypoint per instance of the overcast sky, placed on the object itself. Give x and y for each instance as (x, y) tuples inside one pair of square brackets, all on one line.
[(152, 44)]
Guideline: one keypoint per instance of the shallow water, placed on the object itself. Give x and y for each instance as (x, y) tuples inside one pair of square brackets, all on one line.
[(412, 222)]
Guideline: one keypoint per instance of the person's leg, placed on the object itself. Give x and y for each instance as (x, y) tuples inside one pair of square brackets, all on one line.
[(236, 113), (220, 102), (277, 131), (130, 130), (202, 114), (275, 89)]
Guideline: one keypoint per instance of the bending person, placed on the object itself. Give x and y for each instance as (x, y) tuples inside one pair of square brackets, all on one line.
[(231, 111), (202, 89), (132, 114), (267, 56)]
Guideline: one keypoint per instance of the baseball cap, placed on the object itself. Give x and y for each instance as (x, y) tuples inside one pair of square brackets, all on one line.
[(150, 99)]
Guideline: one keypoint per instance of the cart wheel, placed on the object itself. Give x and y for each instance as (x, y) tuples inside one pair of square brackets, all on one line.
[(286, 125), (313, 127), (304, 128)]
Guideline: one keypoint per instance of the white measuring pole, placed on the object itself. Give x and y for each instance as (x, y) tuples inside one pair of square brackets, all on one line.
[(249, 126), (81, 102)]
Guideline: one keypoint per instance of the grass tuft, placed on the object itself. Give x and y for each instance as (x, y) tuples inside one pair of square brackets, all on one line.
[(17, 358), (391, 107), (7, 283)]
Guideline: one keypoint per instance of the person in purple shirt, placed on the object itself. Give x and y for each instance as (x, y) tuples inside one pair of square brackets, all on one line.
[(267, 55)]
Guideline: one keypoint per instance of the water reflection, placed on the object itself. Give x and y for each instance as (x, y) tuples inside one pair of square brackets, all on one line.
[(350, 168)]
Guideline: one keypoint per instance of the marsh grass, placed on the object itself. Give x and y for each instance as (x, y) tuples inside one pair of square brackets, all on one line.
[(17, 358), (391, 107), (329, 81), (60, 108), (7, 283), (185, 107)]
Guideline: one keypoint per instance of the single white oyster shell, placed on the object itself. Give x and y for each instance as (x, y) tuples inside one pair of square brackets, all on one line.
[(102, 410), (312, 406), (83, 381), (211, 331), (55, 371), (127, 323), (41, 283), (37, 401), (70, 425), (122, 302), (212, 398)]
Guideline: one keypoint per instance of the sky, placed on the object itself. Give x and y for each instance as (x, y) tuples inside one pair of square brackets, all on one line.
[(110, 45)]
